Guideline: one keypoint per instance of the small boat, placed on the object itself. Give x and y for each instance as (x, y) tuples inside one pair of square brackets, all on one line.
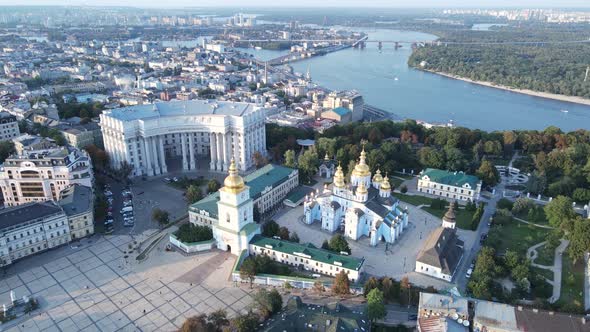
[(257, 48), (564, 111), (396, 79)]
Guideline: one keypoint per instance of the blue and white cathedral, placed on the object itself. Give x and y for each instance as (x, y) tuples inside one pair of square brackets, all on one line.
[(364, 207)]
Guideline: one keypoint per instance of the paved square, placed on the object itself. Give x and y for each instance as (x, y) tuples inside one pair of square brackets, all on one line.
[(95, 288)]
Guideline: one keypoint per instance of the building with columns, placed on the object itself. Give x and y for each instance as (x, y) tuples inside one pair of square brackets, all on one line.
[(364, 207), (148, 137)]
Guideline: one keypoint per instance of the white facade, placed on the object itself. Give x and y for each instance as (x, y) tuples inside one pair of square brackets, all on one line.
[(365, 208), (8, 126), (310, 259), (29, 229), (144, 136), (449, 185), (235, 227), (37, 176)]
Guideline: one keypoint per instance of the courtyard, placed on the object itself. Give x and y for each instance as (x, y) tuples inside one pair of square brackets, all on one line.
[(398, 260), (99, 286)]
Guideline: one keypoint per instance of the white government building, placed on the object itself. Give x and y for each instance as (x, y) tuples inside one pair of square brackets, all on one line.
[(146, 136)]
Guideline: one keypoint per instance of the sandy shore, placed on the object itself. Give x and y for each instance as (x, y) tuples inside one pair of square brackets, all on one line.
[(570, 99)]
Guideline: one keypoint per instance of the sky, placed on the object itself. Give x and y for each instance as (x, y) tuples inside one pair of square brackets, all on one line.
[(312, 3)]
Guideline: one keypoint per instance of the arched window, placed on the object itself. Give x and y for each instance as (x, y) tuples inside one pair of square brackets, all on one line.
[(227, 217)]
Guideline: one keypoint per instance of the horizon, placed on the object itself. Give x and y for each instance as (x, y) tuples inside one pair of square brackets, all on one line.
[(349, 4)]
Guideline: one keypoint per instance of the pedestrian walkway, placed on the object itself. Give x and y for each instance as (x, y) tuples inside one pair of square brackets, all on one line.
[(532, 223), (587, 283), (532, 254)]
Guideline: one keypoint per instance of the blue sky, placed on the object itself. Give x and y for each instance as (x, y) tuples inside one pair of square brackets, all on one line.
[(310, 3)]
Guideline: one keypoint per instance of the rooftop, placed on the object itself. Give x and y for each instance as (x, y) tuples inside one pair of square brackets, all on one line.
[(442, 249), (309, 250), (341, 111), (16, 215), (76, 199), (269, 175), (181, 107), (299, 316), (457, 179)]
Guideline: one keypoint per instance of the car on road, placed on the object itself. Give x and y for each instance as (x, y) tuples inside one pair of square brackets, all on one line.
[(167, 179), (468, 274)]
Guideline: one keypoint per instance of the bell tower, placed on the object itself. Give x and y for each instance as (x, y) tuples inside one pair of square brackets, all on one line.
[(235, 207)]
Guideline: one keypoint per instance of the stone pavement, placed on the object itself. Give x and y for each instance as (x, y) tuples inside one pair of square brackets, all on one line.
[(398, 260), (98, 288)]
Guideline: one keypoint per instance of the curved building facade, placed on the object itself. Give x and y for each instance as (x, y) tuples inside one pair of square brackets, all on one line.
[(147, 137)]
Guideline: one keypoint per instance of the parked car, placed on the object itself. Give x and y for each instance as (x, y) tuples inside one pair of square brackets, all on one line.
[(175, 179), (167, 179), (468, 274)]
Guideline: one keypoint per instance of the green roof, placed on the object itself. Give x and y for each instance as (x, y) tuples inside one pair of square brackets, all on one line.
[(298, 193), (341, 111), (457, 179), (269, 175), (320, 255)]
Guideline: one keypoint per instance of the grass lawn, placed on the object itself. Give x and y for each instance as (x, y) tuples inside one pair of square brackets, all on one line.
[(515, 236), (546, 256), (463, 217), (542, 220), (413, 199), (572, 284), (396, 182), (545, 273)]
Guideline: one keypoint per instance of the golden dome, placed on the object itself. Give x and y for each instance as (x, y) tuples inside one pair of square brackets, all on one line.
[(339, 178), (377, 178), (233, 182), (362, 169), (385, 185), (361, 189)]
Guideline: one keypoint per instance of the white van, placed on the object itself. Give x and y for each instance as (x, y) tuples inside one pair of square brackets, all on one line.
[(127, 209)]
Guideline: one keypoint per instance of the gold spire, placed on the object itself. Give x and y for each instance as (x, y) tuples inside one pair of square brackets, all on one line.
[(385, 185), (361, 189), (377, 178), (339, 178), (362, 169), (233, 183)]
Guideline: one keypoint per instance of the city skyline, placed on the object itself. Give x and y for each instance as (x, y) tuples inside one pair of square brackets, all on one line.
[(311, 3)]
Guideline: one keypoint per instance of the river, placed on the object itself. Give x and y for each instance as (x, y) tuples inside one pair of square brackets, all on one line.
[(430, 97)]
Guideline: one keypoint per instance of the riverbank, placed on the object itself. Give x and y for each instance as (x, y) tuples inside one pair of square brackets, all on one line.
[(553, 96)]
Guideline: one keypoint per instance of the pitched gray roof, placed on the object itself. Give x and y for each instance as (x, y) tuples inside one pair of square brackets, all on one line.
[(76, 199), (442, 249)]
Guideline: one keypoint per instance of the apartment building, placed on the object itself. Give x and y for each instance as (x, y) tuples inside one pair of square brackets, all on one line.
[(31, 228), (37, 176), (8, 126), (77, 202)]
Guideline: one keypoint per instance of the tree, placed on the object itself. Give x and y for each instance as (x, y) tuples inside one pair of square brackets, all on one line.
[(270, 229), (246, 323), (403, 189), (6, 149), (308, 165), (511, 259), (326, 245), (339, 244), (581, 195), (294, 237), (193, 194), (196, 324), (560, 209), (290, 159), (160, 216), (318, 286), (375, 305), (370, 284), (341, 284), (218, 319), (488, 173), (212, 186), (520, 271), (431, 157), (268, 303), (248, 270), (579, 237), (284, 233), (259, 159)]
